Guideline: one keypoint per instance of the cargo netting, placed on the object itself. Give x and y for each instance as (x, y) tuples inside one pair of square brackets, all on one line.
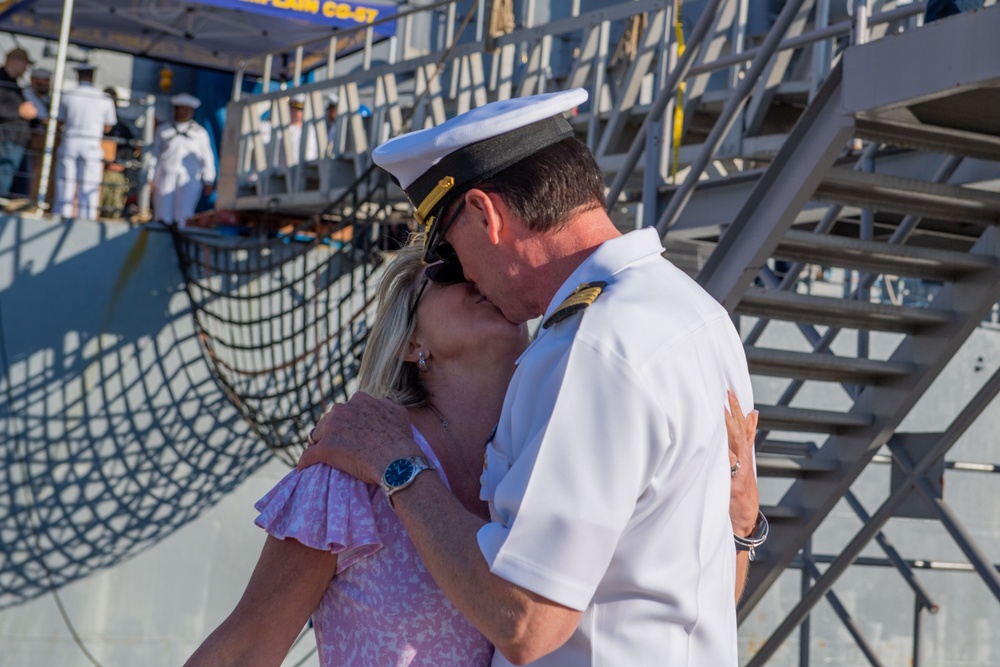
[(283, 317)]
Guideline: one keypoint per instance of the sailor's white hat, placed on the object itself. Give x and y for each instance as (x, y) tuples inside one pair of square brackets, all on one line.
[(436, 165), (185, 100), (333, 98)]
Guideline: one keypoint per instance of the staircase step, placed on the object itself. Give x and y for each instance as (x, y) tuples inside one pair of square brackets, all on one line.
[(784, 418), (848, 313), (933, 138), (785, 447), (821, 366), (895, 194), (775, 465), (776, 513), (876, 257)]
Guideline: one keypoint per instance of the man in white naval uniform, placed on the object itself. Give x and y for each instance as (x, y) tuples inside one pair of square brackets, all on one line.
[(291, 136), (86, 114), (607, 477), (332, 101), (182, 164)]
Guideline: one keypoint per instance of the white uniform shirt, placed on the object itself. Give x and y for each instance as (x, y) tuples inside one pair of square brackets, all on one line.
[(609, 472), (183, 153), (294, 136), (85, 111)]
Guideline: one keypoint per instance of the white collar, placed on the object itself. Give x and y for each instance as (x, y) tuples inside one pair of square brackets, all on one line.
[(609, 258)]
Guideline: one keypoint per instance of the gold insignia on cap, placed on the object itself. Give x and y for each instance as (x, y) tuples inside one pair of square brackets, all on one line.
[(582, 296), (431, 200)]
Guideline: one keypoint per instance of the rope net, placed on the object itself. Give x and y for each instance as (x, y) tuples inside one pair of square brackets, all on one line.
[(283, 320)]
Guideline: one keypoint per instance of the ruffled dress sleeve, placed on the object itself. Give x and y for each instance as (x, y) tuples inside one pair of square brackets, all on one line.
[(324, 509)]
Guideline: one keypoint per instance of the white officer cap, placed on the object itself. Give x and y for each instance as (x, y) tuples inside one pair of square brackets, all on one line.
[(436, 165), (185, 100), (297, 101), (41, 73), (85, 67), (333, 98)]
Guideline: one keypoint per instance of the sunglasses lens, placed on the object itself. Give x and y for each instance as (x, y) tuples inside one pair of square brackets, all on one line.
[(444, 252), (445, 273)]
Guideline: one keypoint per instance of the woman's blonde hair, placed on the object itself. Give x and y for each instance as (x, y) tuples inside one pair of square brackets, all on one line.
[(383, 372)]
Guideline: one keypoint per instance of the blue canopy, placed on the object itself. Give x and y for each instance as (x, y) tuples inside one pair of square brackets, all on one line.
[(219, 34)]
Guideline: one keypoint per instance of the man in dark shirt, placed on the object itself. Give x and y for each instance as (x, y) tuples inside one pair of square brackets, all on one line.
[(15, 115)]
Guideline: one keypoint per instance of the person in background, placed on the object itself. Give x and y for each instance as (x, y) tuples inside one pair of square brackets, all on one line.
[(86, 114), (332, 100), (290, 137), (39, 92), (116, 183), (610, 540), (182, 164), (939, 9), (16, 114)]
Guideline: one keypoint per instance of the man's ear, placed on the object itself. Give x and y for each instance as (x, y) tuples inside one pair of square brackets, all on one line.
[(489, 211)]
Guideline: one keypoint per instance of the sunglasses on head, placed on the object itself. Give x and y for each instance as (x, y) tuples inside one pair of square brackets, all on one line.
[(441, 273)]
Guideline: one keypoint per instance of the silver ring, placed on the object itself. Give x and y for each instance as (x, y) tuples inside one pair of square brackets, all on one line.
[(735, 469), (309, 439)]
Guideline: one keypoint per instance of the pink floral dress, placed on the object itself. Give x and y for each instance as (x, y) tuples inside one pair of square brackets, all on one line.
[(382, 607)]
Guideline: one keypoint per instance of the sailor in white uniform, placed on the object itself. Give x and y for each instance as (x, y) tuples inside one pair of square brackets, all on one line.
[(292, 135), (332, 101), (86, 114), (182, 164)]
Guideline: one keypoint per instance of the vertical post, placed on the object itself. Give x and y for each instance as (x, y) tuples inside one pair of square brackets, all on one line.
[(297, 76), (804, 627), (867, 234), (659, 138), (57, 84), (369, 31), (481, 20), (148, 136), (739, 40), (454, 66), (918, 609), (860, 35), (821, 49), (238, 81), (670, 52), (331, 57), (265, 84), (600, 71), (405, 31)]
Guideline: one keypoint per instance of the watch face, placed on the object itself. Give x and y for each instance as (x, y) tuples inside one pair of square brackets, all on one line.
[(398, 472)]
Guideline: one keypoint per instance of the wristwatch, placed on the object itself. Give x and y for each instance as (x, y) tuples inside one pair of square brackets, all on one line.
[(400, 474), (755, 539)]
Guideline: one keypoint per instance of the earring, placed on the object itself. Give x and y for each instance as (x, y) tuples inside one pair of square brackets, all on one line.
[(421, 362)]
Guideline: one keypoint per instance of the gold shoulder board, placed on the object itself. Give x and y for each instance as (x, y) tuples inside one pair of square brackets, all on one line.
[(582, 296)]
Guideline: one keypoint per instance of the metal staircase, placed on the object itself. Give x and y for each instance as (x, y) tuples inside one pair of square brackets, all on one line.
[(808, 157), (877, 227)]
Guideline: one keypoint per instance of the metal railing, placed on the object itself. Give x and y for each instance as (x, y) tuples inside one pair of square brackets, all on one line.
[(451, 74)]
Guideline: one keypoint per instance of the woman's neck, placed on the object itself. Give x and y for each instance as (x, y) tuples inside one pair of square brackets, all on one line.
[(471, 405)]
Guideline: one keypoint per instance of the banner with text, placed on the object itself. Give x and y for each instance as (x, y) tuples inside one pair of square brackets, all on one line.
[(328, 12)]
